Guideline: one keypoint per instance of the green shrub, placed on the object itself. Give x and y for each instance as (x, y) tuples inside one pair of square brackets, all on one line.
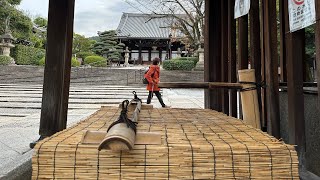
[(83, 55), (5, 60), (25, 55), (194, 59), (96, 61), (42, 61), (74, 62), (185, 65)]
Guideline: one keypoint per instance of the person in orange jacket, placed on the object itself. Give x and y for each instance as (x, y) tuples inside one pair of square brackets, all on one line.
[(152, 76)]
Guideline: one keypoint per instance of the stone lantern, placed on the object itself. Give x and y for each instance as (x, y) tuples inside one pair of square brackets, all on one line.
[(200, 51), (6, 43), (126, 57), (179, 52)]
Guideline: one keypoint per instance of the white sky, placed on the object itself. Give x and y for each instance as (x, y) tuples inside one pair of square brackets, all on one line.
[(91, 16)]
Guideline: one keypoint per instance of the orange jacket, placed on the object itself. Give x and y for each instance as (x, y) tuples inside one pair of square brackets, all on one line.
[(153, 77)]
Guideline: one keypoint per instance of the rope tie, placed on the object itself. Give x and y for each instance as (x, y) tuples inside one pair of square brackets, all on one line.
[(123, 118), (257, 85)]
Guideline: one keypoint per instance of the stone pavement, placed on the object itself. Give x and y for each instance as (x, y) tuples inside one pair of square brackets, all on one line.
[(20, 107)]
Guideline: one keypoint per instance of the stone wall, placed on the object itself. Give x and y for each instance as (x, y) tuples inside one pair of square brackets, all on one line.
[(312, 123)]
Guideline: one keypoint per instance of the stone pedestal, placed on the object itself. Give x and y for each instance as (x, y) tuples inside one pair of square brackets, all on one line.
[(200, 64)]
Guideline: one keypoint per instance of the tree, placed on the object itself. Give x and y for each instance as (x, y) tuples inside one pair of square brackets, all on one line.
[(108, 45), (188, 16), (20, 24), (82, 44), (41, 22)]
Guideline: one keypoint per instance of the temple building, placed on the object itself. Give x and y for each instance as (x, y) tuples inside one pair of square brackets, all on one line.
[(148, 36)]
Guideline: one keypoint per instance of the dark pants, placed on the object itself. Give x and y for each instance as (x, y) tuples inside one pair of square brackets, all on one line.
[(158, 96)]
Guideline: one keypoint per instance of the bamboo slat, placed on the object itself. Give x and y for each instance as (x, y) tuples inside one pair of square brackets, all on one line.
[(196, 144)]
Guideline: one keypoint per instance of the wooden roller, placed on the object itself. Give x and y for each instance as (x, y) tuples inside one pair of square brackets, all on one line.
[(121, 135)]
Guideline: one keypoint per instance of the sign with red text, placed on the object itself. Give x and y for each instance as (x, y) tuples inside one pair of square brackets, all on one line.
[(241, 8), (302, 13)]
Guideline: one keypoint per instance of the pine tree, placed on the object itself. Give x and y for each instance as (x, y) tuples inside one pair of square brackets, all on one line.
[(108, 45)]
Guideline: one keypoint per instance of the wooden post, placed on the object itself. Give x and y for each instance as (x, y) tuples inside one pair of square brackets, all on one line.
[(140, 52), (224, 55), (232, 60), (243, 43), (295, 53), (212, 62), (263, 77), (250, 104), (283, 60), (271, 67), (255, 46), (317, 42), (57, 69), (149, 55)]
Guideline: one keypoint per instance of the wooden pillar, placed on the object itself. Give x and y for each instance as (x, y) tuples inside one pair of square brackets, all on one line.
[(283, 59), (149, 55), (160, 53), (271, 67), (224, 55), (243, 43), (232, 60), (317, 42), (212, 62), (255, 46), (263, 77), (57, 69), (295, 53), (140, 53)]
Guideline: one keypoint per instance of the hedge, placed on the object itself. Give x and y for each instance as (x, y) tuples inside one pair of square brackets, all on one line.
[(74, 62), (26, 55), (185, 65), (5, 60), (96, 61), (83, 55), (194, 59)]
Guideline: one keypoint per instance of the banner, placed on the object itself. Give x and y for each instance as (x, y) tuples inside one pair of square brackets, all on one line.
[(241, 8), (302, 13)]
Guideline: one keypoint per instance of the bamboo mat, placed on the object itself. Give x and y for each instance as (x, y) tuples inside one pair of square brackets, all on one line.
[(196, 144)]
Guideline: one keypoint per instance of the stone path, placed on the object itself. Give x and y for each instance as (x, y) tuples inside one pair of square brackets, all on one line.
[(20, 107)]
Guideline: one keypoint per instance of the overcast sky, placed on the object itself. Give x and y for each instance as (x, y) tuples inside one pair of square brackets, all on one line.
[(90, 15)]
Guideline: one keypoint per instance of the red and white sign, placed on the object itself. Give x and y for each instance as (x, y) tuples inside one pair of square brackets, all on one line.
[(302, 13)]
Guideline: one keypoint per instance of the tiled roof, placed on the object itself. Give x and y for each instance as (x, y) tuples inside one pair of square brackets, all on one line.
[(144, 26)]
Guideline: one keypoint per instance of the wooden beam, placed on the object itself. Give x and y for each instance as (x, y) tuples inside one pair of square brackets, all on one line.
[(255, 46), (271, 66), (232, 59), (317, 42), (295, 53), (243, 43), (204, 85), (212, 62), (224, 55), (57, 69), (283, 59)]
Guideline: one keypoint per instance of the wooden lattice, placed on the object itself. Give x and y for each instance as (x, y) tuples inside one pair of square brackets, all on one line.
[(196, 144)]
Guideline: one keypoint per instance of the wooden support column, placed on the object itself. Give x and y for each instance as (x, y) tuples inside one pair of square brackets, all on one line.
[(224, 55), (140, 53), (283, 59), (232, 60), (263, 77), (271, 67), (160, 54), (149, 55), (317, 42), (295, 53), (212, 62), (243, 43), (57, 69), (255, 47)]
